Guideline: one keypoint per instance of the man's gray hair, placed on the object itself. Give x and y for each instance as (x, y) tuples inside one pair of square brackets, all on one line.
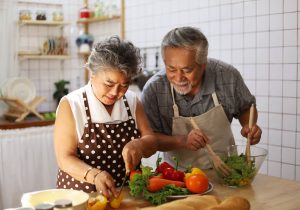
[(187, 37)]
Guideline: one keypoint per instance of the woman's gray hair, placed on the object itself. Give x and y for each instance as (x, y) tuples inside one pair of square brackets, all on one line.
[(187, 37), (114, 53)]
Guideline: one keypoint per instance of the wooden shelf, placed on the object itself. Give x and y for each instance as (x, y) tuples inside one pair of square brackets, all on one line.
[(97, 19), (45, 57), (43, 22)]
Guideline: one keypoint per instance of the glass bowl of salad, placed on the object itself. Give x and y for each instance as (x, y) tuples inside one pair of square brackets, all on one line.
[(242, 172)]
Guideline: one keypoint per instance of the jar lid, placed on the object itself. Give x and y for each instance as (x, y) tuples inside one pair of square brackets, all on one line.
[(44, 206), (63, 203)]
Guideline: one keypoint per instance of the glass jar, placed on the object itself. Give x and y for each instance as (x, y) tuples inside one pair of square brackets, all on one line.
[(41, 15), (63, 204), (25, 15), (44, 206), (58, 16)]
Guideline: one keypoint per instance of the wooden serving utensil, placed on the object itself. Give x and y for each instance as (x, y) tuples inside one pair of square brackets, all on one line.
[(251, 119), (217, 161)]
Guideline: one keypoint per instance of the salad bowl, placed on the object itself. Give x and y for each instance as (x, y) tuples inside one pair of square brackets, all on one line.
[(242, 172)]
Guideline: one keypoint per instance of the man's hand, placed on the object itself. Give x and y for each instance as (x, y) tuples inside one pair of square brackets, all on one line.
[(196, 139), (132, 154), (254, 134)]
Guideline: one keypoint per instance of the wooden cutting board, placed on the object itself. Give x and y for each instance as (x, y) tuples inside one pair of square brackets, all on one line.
[(129, 202)]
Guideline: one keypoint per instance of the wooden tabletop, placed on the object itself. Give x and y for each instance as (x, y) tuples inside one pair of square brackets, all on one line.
[(265, 193)]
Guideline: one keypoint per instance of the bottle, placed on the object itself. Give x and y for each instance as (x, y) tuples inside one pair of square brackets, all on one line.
[(63, 204), (44, 206), (84, 12)]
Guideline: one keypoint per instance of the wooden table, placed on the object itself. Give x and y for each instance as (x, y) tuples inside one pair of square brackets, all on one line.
[(265, 193)]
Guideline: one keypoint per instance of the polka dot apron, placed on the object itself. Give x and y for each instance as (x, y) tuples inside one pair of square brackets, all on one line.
[(101, 147)]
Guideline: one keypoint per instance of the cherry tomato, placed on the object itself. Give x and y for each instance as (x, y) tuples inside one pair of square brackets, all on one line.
[(132, 173), (197, 183)]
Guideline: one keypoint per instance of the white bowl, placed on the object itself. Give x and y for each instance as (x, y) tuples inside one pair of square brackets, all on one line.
[(79, 198)]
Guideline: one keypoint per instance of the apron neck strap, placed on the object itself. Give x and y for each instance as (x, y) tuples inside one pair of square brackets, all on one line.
[(215, 98), (86, 104), (175, 107)]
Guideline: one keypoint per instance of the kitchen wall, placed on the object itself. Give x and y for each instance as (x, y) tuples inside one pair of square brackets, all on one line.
[(259, 37)]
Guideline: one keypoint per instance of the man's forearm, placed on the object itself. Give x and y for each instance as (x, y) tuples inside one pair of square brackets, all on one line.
[(167, 143)]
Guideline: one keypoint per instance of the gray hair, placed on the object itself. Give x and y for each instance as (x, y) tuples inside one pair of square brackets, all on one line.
[(114, 53), (187, 37)]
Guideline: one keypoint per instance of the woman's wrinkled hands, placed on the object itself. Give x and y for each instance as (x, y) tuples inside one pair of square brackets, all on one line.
[(196, 139), (254, 133), (105, 185), (132, 154)]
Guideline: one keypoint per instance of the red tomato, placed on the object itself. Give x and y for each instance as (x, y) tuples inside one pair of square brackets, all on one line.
[(197, 183), (132, 173)]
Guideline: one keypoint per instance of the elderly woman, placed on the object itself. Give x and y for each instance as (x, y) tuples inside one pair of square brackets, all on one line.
[(101, 130)]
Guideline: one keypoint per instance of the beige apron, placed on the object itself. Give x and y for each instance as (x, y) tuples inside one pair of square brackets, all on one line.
[(213, 123)]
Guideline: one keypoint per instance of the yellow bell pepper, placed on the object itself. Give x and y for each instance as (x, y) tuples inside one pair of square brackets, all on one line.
[(197, 171), (99, 203), (116, 202)]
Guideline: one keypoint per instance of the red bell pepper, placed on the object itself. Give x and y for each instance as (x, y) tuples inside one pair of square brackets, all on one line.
[(173, 174), (161, 167)]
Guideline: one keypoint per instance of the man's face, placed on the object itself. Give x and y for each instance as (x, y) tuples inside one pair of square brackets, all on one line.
[(183, 71)]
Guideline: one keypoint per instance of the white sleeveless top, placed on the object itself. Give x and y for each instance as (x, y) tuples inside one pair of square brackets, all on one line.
[(98, 112)]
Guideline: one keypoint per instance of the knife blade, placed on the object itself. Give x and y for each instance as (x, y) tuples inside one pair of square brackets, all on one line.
[(123, 183)]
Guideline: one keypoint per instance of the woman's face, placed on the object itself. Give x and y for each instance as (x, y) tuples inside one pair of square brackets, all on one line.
[(109, 85), (183, 71)]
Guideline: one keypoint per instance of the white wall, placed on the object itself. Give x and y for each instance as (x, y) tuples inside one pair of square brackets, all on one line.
[(259, 37)]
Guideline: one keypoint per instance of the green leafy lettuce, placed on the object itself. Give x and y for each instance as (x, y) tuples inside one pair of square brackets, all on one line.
[(242, 173), (138, 187)]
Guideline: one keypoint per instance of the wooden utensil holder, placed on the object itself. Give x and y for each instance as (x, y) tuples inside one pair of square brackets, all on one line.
[(18, 109)]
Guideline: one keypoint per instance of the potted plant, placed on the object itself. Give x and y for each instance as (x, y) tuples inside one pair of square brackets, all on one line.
[(60, 89)]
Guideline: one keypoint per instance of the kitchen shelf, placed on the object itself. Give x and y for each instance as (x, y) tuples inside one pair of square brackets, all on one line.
[(44, 57), (87, 21), (43, 22), (98, 19)]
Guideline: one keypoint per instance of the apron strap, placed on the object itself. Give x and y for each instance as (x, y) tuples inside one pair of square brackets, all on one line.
[(127, 107), (175, 107), (215, 98), (86, 106)]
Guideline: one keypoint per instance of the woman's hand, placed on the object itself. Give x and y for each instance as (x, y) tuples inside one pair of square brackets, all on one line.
[(105, 184), (254, 133), (132, 154), (196, 139)]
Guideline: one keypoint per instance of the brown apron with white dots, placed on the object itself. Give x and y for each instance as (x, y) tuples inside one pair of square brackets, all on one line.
[(101, 147)]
